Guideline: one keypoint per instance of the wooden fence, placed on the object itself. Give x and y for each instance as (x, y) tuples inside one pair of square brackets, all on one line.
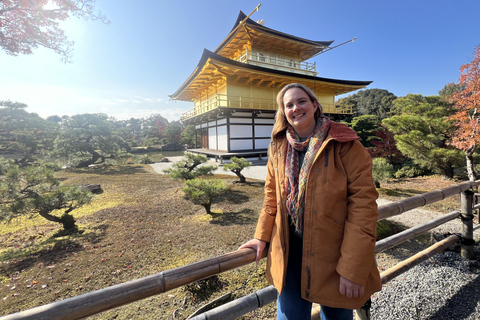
[(101, 300)]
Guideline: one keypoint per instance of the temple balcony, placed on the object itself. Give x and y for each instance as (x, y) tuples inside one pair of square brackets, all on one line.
[(276, 63), (248, 103)]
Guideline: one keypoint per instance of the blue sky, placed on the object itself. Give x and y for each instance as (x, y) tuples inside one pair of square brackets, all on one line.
[(129, 67)]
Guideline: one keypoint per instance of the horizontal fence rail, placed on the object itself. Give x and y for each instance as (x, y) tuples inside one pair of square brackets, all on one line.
[(108, 298), (408, 234), (399, 207)]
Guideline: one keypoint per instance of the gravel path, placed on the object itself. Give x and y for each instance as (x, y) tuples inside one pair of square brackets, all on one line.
[(256, 171), (445, 287), (442, 288)]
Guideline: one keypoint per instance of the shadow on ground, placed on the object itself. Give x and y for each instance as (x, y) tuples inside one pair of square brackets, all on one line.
[(246, 216), (24, 258)]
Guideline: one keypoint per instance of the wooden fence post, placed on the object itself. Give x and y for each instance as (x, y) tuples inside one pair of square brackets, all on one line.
[(466, 200)]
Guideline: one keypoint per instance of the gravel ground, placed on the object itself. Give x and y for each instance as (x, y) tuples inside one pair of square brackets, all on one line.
[(445, 287), (256, 171)]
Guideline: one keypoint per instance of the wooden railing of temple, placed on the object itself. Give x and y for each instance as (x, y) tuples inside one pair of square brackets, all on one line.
[(250, 103), (101, 300)]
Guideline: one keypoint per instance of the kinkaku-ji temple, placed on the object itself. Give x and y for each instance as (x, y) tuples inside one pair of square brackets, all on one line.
[(234, 88)]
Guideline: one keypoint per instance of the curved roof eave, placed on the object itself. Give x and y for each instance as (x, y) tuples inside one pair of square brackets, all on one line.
[(198, 68), (207, 54), (242, 16)]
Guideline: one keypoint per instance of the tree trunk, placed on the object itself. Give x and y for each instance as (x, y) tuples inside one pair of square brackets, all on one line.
[(49, 217), (95, 157), (208, 207), (66, 220), (448, 173), (470, 166), (241, 177)]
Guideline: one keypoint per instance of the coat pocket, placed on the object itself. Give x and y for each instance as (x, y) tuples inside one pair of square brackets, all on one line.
[(327, 237)]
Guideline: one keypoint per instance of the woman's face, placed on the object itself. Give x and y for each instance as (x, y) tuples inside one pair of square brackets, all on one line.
[(300, 111)]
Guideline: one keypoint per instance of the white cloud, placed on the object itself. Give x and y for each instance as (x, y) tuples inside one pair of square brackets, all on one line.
[(47, 100)]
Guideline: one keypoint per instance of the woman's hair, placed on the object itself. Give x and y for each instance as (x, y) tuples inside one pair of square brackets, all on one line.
[(281, 122)]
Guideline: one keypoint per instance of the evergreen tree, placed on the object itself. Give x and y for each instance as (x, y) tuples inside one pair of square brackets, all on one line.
[(422, 132), (188, 137), (366, 126), (236, 166), (190, 167), (204, 191), (35, 190), (24, 136), (173, 131), (370, 101), (87, 139), (381, 171)]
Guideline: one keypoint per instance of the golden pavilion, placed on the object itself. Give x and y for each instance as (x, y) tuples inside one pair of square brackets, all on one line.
[(234, 88)]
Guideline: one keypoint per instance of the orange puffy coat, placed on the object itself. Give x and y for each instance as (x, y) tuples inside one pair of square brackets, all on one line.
[(339, 220)]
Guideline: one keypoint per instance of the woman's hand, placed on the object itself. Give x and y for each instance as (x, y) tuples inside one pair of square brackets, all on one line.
[(257, 245), (349, 288)]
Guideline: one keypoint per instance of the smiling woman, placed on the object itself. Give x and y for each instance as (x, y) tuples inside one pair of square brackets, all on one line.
[(300, 111), (319, 213)]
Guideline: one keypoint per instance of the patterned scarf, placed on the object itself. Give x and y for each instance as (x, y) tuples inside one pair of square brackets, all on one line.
[(295, 177)]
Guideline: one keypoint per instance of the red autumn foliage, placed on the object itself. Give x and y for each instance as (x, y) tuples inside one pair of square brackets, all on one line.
[(386, 146), (467, 104), (25, 25)]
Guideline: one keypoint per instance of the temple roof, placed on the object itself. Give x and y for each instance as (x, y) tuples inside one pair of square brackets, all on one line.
[(213, 68), (250, 30)]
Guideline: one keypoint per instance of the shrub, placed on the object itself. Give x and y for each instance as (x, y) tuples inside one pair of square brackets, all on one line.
[(410, 170), (145, 159), (382, 170), (204, 191), (236, 166), (190, 167)]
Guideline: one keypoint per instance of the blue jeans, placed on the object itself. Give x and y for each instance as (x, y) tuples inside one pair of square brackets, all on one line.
[(290, 305)]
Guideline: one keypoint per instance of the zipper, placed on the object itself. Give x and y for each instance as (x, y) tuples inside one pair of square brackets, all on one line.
[(326, 165), (307, 292), (308, 278)]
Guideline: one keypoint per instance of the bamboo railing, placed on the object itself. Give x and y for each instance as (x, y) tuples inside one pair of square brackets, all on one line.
[(101, 300)]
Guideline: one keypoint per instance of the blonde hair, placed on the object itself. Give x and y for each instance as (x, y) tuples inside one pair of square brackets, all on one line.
[(281, 122)]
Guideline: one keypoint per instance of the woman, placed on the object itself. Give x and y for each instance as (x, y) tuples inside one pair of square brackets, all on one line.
[(319, 213)]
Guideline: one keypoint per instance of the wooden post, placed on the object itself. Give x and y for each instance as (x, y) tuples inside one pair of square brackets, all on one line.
[(466, 200), (476, 211), (364, 312)]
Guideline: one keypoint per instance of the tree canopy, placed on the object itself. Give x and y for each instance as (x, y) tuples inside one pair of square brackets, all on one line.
[(35, 190), (370, 101), (87, 139), (190, 167), (236, 166), (366, 126), (466, 101), (422, 132), (24, 135), (385, 146), (204, 191), (26, 25)]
